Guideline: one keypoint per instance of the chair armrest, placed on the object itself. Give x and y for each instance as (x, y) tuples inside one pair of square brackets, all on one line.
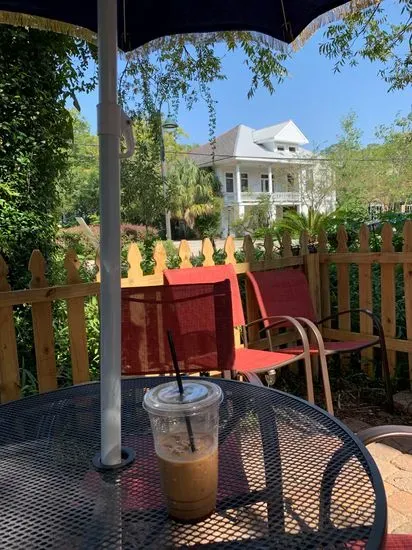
[(371, 435), (285, 319), (348, 311)]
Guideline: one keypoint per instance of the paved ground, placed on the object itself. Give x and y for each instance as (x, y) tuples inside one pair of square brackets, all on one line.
[(394, 460)]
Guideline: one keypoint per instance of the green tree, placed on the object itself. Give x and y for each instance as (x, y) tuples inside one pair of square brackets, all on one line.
[(257, 219), (79, 185), (182, 69), (297, 223), (191, 191), (373, 34), (380, 171), (38, 74), (143, 199)]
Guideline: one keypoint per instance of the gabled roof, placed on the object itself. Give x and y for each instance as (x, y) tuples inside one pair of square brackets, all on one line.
[(284, 132), (245, 142)]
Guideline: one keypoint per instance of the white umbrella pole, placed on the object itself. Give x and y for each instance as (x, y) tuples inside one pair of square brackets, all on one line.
[(108, 115)]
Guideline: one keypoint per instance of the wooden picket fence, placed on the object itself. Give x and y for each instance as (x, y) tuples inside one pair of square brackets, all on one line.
[(316, 266)]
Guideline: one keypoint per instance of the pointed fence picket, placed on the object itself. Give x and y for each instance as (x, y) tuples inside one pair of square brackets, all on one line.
[(41, 296)]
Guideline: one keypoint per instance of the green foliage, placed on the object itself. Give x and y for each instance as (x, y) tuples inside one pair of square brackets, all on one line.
[(372, 34), (191, 192), (379, 172), (79, 184), (297, 223), (38, 74), (256, 220), (183, 70)]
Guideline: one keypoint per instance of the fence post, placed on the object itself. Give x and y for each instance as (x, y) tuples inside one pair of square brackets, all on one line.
[(252, 308), (159, 257), (324, 278), (407, 278), (365, 299), (230, 251), (312, 272), (342, 270), (42, 328), (207, 251), (184, 254), (9, 362), (77, 323), (134, 259), (388, 304)]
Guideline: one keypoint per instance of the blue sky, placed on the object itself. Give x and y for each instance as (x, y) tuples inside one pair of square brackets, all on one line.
[(313, 96)]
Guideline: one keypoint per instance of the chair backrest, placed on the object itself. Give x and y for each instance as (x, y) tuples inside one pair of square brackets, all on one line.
[(212, 274), (199, 318), (282, 292)]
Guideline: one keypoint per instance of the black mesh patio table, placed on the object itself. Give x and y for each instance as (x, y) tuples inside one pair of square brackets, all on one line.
[(290, 476)]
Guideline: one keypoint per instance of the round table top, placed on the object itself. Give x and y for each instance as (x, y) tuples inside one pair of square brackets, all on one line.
[(290, 476)]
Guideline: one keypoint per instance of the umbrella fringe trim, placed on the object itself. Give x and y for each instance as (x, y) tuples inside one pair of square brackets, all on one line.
[(330, 17), (23, 20), (31, 21)]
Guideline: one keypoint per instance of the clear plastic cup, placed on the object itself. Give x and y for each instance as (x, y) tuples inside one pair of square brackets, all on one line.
[(185, 431)]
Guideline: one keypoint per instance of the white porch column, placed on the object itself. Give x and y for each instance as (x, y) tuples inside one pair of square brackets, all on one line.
[(270, 179), (238, 194)]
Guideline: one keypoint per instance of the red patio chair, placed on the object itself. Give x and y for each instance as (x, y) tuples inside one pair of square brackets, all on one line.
[(199, 318), (248, 362), (286, 292)]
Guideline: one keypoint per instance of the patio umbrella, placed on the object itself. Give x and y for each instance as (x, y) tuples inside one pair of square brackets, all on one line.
[(128, 24)]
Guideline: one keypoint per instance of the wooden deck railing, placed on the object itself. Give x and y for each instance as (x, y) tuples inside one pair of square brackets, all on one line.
[(317, 267)]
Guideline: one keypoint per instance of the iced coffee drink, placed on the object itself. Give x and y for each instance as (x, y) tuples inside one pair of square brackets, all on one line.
[(188, 463)]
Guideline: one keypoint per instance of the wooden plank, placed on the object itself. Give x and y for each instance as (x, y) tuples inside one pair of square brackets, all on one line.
[(48, 294), (286, 245), (135, 272), (344, 321), (312, 271), (207, 251), (42, 328), (407, 278), (343, 281), (388, 304), (76, 324), (160, 258), (252, 308), (365, 299), (393, 344), (366, 258), (185, 254), (230, 251), (9, 361), (324, 278)]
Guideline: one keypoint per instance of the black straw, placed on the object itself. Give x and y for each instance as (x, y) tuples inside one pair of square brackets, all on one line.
[(180, 385)]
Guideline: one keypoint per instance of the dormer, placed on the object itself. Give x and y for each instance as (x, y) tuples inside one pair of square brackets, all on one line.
[(285, 136)]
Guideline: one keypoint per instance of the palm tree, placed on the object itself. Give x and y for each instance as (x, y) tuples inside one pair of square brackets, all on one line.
[(297, 223), (191, 191)]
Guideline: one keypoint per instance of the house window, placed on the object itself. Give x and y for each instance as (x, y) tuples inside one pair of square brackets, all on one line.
[(244, 185), (229, 182), (291, 182), (281, 148), (264, 183), (292, 149)]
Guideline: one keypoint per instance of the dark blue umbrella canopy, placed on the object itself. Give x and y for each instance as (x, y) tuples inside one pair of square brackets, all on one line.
[(140, 21)]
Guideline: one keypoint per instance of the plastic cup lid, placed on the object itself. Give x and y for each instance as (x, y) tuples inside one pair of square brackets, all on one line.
[(165, 399)]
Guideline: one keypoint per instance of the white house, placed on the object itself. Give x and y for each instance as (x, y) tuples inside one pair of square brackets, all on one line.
[(271, 160)]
